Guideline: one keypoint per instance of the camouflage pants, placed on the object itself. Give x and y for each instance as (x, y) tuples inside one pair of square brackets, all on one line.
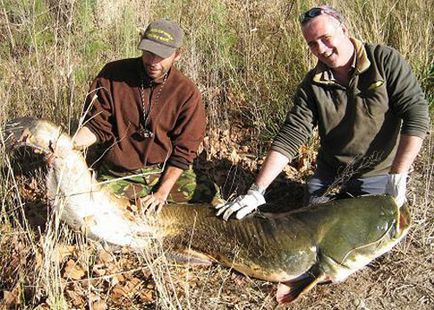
[(190, 187)]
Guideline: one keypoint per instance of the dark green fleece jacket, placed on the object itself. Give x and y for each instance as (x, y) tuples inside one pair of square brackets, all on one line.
[(358, 125)]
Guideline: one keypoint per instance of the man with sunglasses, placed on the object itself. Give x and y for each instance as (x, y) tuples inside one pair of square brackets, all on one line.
[(370, 113)]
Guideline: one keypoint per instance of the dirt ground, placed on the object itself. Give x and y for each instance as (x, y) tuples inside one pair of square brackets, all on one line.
[(94, 276)]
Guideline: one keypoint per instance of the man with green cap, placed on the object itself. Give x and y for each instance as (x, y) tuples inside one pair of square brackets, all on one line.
[(150, 120)]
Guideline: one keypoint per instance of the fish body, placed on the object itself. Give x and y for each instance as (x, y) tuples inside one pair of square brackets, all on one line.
[(299, 249), (338, 237)]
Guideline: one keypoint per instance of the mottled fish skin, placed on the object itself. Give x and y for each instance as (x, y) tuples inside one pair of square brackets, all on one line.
[(300, 248), (342, 236)]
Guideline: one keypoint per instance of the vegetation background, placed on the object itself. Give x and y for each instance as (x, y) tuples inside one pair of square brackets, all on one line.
[(247, 57)]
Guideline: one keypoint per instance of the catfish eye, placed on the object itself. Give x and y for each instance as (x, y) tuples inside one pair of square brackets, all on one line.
[(50, 146)]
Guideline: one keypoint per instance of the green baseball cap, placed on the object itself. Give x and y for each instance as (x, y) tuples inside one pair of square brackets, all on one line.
[(162, 38)]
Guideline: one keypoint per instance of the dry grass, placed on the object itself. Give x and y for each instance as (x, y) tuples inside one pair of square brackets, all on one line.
[(247, 58), (44, 264)]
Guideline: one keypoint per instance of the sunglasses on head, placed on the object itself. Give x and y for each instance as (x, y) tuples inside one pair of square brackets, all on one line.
[(314, 12)]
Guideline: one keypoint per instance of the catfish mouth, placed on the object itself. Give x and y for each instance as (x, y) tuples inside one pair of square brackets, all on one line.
[(404, 219), (23, 141), (400, 224)]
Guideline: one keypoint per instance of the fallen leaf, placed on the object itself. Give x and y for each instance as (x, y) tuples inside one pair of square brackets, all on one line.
[(146, 295), (73, 271), (76, 299), (11, 298), (99, 270), (234, 156), (99, 305), (104, 257), (120, 278), (118, 293), (62, 251)]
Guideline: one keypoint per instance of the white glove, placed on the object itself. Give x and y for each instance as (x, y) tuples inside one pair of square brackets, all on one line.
[(396, 187), (242, 205)]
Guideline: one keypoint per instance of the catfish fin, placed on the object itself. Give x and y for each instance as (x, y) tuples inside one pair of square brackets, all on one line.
[(189, 256), (289, 291)]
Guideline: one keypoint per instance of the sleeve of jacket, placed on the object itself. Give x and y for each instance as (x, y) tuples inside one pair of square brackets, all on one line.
[(405, 94), (188, 132), (98, 108), (299, 123)]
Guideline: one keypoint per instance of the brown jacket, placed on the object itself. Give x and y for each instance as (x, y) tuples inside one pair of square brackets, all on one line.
[(177, 116)]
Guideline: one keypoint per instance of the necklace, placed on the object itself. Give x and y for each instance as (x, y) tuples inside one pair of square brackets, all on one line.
[(144, 131)]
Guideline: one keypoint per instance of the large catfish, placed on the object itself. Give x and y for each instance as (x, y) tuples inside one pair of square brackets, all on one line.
[(298, 249)]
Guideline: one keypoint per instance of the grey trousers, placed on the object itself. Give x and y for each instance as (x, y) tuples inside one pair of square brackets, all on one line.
[(318, 187)]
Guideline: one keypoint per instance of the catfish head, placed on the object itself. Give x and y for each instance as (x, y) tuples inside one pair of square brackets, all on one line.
[(350, 233), (43, 136), (366, 233)]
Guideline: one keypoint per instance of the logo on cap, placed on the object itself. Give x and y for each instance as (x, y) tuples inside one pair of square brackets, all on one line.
[(159, 35)]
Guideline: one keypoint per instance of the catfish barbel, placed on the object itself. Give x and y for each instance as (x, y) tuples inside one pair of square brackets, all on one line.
[(298, 249)]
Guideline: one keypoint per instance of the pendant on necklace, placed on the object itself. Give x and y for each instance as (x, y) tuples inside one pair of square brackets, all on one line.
[(145, 133)]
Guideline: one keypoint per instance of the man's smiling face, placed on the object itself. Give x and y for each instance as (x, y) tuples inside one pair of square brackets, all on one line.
[(328, 40)]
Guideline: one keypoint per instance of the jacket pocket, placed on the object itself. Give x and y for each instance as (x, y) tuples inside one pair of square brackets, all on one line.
[(375, 99)]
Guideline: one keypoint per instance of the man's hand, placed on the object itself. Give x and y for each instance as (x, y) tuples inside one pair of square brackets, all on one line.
[(152, 203), (155, 201), (83, 139), (242, 205), (396, 187)]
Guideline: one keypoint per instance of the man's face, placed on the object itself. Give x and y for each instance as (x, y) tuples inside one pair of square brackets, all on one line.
[(328, 40), (156, 66)]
